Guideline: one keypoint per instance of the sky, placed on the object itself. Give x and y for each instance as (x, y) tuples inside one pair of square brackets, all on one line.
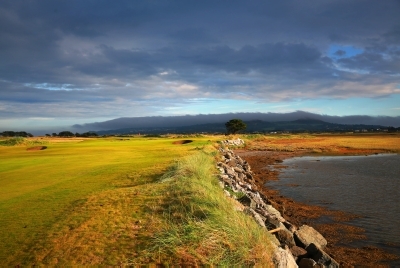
[(76, 62)]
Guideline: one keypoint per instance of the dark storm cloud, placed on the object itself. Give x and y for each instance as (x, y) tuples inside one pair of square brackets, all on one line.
[(108, 52), (375, 60)]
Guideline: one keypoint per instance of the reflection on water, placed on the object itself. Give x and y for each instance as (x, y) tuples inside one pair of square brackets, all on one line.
[(368, 186)]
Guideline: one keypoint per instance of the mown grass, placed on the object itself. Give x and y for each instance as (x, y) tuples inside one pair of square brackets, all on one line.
[(78, 201)]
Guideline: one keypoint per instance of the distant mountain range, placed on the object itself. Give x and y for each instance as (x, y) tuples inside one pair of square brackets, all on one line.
[(254, 126), (256, 122)]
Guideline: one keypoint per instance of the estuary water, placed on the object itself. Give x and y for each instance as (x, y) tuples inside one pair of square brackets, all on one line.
[(368, 186)]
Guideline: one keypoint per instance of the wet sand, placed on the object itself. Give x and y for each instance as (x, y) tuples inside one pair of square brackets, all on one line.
[(331, 224)]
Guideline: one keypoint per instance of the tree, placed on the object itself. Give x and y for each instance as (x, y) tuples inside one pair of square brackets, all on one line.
[(66, 134), (235, 125)]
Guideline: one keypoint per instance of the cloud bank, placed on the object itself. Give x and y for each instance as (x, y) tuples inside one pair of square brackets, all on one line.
[(102, 59)]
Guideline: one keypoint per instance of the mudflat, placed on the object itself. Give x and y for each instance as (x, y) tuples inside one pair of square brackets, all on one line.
[(265, 155)]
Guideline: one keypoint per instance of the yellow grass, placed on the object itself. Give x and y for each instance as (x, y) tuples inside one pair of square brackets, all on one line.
[(81, 201), (332, 144)]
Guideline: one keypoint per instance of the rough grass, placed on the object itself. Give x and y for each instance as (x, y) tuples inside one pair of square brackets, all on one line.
[(12, 141), (199, 224), (16, 141)]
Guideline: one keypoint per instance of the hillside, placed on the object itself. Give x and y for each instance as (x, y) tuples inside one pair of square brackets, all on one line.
[(300, 125)]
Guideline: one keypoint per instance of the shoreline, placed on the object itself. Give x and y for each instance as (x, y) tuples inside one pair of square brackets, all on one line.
[(336, 230)]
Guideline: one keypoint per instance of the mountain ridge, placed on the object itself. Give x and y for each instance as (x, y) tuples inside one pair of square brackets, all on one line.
[(253, 126)]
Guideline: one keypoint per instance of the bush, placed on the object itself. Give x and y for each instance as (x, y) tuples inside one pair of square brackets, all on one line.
[(12, 141)]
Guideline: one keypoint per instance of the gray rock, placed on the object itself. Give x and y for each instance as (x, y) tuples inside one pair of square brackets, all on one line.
[(237, 169), (272, 222), (256, 216), (270, 210), (290, 227), (306, 235), (321, 257), (239, 160), (232, 163), (284, 259), (285, 237), (256, 197), (245, 200), (248, 186), (230, 171), (224, 177)]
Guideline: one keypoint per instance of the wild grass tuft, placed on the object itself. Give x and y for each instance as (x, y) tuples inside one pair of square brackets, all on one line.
[(12, 141), (200, 224)]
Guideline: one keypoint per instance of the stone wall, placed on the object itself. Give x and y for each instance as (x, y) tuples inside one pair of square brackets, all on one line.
[(295, 246)]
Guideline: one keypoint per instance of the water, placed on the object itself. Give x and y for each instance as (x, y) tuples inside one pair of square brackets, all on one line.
[(368, 186)]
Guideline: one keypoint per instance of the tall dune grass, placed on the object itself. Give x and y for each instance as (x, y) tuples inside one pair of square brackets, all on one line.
[(200, 225)]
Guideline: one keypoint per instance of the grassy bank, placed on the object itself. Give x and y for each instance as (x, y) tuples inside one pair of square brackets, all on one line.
[(200, 225), (101, 201)]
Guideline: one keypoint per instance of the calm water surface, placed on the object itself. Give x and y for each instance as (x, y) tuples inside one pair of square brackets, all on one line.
[(368, 186)]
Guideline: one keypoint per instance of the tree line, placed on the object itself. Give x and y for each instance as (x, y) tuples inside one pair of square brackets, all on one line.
[(15, 134), (60, 134), (69, 134)]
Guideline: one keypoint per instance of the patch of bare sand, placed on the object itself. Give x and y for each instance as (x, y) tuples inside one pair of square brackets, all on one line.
[(36, 148), (182, 142)]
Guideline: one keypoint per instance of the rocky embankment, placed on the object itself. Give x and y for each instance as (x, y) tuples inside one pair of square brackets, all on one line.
[(295, 246)]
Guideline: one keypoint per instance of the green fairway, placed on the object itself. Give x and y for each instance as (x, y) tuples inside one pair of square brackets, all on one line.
[(47, 193)]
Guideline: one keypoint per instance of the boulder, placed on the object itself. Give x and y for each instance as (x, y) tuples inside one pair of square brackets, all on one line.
[(237, 169), (270, 210), (285, 237), (230, 171), (245, 200), (256, 217), (284, 259), (290, 227), (306, 235), (231, 163), (298, 252), (307, 263), (272, 222), (239, 160), (321, 257)]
